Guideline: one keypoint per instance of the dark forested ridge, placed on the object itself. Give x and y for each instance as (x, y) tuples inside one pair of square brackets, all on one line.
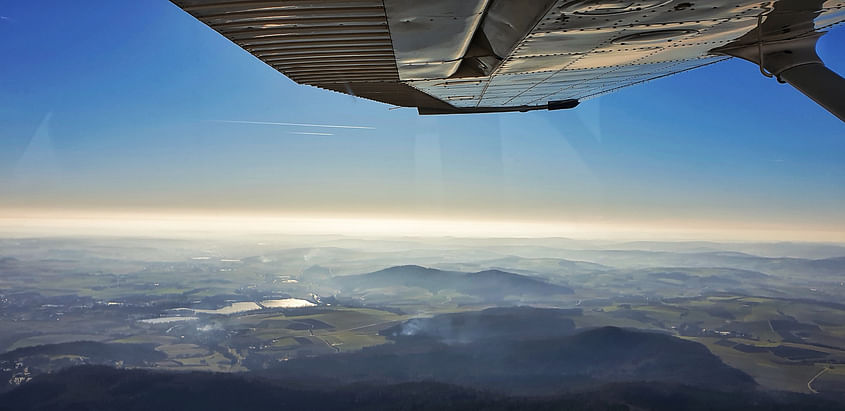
[(40, 359), (527, 366), (102, 388), (130, 354), (510, 323)]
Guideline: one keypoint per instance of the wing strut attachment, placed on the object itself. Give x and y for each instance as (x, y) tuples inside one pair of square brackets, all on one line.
[(794, 61), (784, 47)]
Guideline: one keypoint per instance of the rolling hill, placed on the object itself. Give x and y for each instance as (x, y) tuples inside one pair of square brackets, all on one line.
[(489, 284)]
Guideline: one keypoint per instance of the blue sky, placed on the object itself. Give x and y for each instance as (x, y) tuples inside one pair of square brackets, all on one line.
[(109, 105)]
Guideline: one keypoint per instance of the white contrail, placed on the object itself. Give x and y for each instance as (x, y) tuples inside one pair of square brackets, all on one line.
[(305, 133), (269, 123)]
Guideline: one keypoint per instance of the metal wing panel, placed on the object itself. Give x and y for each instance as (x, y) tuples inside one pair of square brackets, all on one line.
[(339, 45), (274, 32), (415, 53), (581, 44), (431, 37), (584, 48)]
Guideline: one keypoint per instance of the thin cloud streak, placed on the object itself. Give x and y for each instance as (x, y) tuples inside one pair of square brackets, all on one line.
[(270, 123), (305, 133)]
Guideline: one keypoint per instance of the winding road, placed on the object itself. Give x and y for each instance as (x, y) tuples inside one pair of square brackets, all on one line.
[(810, 383)]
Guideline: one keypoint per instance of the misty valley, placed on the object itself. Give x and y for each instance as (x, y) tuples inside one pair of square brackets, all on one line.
[(324, 322)]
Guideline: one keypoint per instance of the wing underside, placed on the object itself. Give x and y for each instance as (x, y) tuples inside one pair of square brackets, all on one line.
[(465, 56)]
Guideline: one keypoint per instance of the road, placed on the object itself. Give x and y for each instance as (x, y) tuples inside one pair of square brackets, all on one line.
[(371, 325), (336, 349), (810, 383)]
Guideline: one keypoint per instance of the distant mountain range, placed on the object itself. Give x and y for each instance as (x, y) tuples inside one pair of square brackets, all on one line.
[(627, 259), (489, 284)]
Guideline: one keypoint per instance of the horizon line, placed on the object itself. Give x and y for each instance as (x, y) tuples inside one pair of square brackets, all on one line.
[(63, 222)]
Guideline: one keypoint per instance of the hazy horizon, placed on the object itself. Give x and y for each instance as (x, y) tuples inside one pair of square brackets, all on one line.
[(182, 224)]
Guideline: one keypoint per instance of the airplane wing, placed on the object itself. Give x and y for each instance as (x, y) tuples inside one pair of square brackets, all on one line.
[(475, 56)]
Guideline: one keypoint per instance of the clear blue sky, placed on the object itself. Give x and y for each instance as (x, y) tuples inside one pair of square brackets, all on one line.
[(117, 105)]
